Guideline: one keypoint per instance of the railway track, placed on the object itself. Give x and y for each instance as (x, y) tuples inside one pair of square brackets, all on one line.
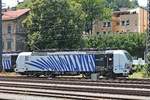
[(133, 84), (77, 89), (76, 80)]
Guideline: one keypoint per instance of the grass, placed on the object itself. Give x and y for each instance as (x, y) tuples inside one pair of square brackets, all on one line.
[(137, 75), (8, 74)]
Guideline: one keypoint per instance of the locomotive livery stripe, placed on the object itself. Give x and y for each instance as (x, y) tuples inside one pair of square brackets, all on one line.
[(77, 62), (6, 64)]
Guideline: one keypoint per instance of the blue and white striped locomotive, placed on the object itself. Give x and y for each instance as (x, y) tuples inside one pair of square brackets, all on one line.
[(9, 61), (109, 62)]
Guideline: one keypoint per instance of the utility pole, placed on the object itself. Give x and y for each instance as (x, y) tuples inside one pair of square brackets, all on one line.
[(1, 46), (148, 34)]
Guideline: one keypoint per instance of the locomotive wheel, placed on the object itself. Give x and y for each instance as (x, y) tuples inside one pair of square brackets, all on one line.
[(87, 75)]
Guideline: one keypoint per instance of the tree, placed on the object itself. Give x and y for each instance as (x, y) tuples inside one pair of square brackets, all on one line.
[(134, 4), (117, 4), (25, 4), (132, 42), (94, 9), (54, 24)]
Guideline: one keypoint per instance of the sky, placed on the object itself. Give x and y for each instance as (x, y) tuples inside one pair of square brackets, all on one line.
[(142, 2), (12, 3)]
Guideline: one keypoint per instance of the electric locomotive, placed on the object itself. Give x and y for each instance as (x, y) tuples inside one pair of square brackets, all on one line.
[(105, 63)]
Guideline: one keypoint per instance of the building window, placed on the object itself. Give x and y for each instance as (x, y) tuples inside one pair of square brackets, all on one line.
[(127, 22), (128, 30), (123, 23), (8, 45), (9, 29), (104, 24), (134, 12), (109, 24), (104, 32), (136, 22), (97, 33), (118, 15)]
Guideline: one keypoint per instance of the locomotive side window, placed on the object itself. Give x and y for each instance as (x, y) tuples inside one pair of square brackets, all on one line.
[(100, 60), (104, 62), (26, 58), (104, 59)]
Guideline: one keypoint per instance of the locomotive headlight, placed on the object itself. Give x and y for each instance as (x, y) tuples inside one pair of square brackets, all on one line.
[(16, 69)]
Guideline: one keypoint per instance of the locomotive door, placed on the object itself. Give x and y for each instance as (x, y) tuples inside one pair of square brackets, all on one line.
[(13, 61)]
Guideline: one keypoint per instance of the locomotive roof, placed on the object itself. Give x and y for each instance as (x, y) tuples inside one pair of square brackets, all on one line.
[(25, 53), (70, 52)]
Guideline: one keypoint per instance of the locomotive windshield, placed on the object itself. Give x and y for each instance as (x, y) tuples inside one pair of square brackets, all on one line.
[(129, 57)]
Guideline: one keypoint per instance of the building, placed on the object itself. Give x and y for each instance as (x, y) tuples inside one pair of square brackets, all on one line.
[(102, 27), (133, 20), (13, 33)]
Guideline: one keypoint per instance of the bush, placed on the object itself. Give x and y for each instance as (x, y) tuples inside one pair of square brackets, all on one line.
[(138, 68), (147, 70), (134, 43), (143, 69)]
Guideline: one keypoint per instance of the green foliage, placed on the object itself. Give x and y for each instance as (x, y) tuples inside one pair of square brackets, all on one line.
[(138, 68), (141, 71), (54, 24), (137, 75), (148, 56), (134, 4), (25, 4), (94, 9), (116, 4), (59, 23), (132, 42), (147, 70)]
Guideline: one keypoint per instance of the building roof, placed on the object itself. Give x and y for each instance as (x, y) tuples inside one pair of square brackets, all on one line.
[(128, 11), (14, 14)]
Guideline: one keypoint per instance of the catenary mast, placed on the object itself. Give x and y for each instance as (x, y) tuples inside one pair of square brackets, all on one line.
[(1, 47)]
